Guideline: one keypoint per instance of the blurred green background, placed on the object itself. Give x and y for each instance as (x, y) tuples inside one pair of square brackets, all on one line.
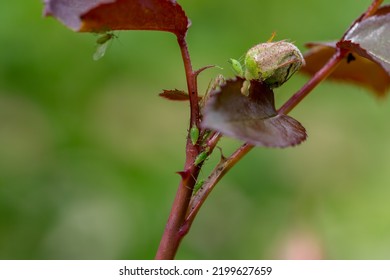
[(88, 151)]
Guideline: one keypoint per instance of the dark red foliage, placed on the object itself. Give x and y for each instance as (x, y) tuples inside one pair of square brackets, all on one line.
[(251, 118), (368, 61), (175, 95), (354, 68), (106, 15)]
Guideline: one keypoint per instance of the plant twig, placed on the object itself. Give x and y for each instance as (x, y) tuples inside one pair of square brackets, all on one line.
[(328, 68), (369, 12), (173, 233), (372, 9), (321, 75), (191, 83), (219, 171)]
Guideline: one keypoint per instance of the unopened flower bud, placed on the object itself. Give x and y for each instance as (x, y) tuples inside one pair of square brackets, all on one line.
[(273, 62)]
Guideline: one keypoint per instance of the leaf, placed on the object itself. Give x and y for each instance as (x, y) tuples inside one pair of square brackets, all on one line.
[(371, 39), (69, 11), (368, 63), (251, 118), (104, 15), (354, 68), (175, 95)]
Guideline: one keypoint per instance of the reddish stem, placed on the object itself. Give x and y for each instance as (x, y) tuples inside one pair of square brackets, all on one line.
[(213, 140), (372, 9), (321, 75), (173, 232), (328, 68), (369, 12), (191, 83), (216, 175)]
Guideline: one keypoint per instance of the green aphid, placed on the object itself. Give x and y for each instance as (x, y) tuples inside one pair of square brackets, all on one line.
[(103, 42), (198, 185), (237, 67), (201, 157), (194, 135)]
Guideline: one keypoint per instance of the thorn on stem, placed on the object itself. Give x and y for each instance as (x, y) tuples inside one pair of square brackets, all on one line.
[(184, 174), (197, 72), (223, 158)]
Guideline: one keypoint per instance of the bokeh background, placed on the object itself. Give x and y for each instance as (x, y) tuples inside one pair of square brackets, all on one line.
[(88, 151)]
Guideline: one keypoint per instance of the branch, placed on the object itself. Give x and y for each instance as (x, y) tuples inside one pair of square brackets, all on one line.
[(191, 83), (321, 75), (216, 175), (369, 12), (173, 233), (329, 67)]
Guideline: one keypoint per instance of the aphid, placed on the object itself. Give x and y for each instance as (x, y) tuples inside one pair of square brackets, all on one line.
[(194, 135), (237, 67), (197, 186), (201, 157), (102, 43)]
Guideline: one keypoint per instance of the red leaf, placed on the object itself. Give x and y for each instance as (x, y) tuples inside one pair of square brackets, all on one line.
[(382, 10), (104, 15), (370, 39), (251, 118), (175, 95), (356, 68), (70, 11), (368, 63)]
